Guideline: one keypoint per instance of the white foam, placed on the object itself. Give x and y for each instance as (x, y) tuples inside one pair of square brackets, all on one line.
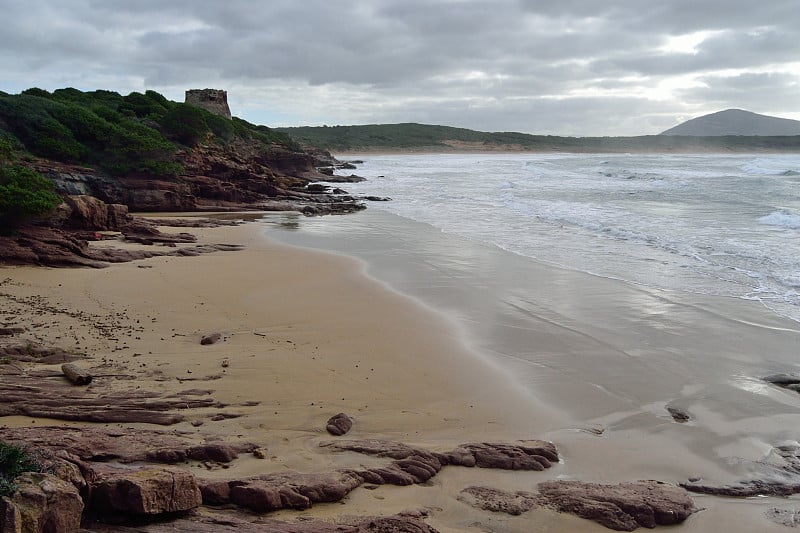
[(693, 223), (782, 218)]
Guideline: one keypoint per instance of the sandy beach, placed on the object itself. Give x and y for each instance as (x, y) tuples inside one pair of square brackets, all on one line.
[(308, 334), (305, 335)]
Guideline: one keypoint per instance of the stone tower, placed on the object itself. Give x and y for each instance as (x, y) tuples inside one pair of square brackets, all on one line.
[(213, 100)]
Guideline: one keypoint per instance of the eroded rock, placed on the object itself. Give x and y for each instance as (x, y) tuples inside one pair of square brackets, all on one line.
[(622, 507), (288, 490), (339, 424), (498, 501)]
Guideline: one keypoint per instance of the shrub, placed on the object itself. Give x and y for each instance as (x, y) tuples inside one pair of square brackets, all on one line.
[(186, 124), (13, 462), (24, 193)]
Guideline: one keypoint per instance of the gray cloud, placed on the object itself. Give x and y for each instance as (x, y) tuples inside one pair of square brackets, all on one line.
[(575, 67)]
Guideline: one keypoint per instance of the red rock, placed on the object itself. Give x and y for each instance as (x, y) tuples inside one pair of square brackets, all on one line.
[(623, 507), (149, 491), (42, 504)]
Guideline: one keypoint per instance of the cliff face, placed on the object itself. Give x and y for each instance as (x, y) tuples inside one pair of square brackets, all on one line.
[(240, 175)]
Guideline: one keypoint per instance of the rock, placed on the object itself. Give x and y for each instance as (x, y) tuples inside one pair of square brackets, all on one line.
[(35, 353), (498, 501), (339, 424), (90, 213), (211, 338), (782, 379), (59, 248), (31, 395), (744, 489), (538, 456), (241, 523), (42, 503), (149, 491), (678, 414), (217, 452), (286, 490), (107, 444), (11, 331), (622, 507)]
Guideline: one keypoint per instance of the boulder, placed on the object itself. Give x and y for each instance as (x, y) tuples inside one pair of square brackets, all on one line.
[(339, 424), (149, 491), (90, 213), (42, 504)]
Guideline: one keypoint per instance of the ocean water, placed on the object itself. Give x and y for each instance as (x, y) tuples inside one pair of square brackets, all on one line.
[(724, 225)]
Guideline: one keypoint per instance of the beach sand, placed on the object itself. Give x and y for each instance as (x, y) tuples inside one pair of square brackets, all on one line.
[(308, 334)]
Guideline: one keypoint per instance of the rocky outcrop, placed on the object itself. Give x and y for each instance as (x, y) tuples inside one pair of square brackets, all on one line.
[(622, 507), (409, 522), (39, 245), (90, 213), (535, 455), (286, 490), (42, 504), (92, 444), (238, 175), (41, 396), (292, 490)]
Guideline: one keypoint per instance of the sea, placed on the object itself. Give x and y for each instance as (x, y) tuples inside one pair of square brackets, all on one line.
[(726, 225)]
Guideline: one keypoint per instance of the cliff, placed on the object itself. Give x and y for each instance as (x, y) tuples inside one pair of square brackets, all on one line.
[(145, 153)]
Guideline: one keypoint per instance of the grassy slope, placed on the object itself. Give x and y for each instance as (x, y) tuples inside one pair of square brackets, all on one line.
[(123, 135), (400, 137)]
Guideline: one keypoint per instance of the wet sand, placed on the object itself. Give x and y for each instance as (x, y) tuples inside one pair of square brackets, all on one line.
[(456, 343), (607, 355)]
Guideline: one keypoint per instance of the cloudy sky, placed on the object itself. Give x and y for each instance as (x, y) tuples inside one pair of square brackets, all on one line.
[(561, 67)]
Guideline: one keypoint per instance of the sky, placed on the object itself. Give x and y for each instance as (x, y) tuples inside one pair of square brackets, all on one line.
[(555, 67)]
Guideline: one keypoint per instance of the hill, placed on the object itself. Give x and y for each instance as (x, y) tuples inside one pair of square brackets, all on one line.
[(151, 154), (736, 122), (411, 137)]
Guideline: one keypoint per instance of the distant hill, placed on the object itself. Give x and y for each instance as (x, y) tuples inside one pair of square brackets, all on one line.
[(736, 122), (412, 137)]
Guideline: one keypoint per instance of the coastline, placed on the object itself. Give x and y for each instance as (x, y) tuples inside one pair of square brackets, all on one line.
[(305, 335), (308, 334), (607, 355)]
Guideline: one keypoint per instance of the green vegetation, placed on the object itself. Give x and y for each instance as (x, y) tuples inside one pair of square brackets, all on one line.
[(140, 133), (24, 193), (442, 138), (13, 462)]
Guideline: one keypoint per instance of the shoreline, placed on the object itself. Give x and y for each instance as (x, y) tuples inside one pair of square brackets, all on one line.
[(307, 334), (609, 355)]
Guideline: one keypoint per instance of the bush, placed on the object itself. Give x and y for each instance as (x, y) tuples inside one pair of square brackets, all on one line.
[(13, 462), (24, 193)]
